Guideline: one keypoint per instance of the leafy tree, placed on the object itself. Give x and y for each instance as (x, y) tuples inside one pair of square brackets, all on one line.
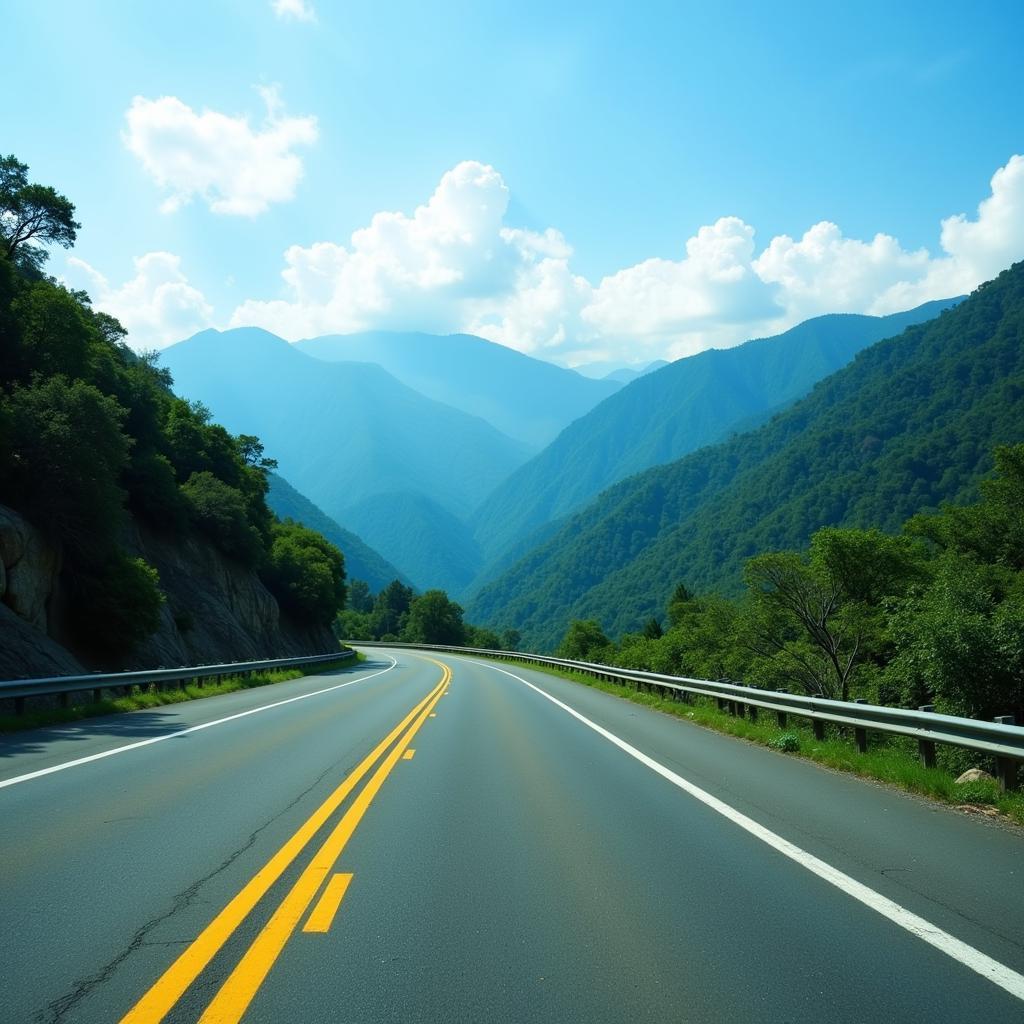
[(434, 619), (305, 572), (652, 629), (584, 641), (359, 597), (61, 460), (390, 608), (220, 511), (31, 214)]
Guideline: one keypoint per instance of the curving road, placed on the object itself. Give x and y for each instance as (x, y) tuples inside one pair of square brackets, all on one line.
[(427, 839)]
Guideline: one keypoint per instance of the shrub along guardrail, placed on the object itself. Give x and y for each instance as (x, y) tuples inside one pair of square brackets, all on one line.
[(1001, 738), (163, 678)]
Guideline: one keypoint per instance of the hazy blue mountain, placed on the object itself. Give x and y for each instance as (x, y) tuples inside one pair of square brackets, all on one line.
[(341, 432), (677, 409), (361, 561), (434, 547), (629, 373), (525, 398), (911, 422)]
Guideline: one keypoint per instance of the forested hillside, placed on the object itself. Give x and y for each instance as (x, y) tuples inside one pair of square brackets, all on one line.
[(526, 398), (909, 424), (361, 561), (433, 547), (136, 529), (662, 416)]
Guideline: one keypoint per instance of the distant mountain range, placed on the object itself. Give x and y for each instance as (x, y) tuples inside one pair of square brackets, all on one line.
[(663, 415), (361, 561), (911, 422), (527, 399), (342, 432)]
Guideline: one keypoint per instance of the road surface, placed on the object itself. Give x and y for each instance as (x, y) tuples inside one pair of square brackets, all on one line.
[(434, 838)]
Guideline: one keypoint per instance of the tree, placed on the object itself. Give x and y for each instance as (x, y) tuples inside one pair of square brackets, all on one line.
[(220, 511), (816, 618), (30, 214), (359, 597), (652, 629), (390, 608), (434, 619), (584, 641), (306, 572)]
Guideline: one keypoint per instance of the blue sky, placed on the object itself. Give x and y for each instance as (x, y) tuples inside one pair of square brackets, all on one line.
[(594, 141)]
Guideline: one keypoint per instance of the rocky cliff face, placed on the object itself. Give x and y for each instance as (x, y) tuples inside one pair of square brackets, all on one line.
[(216, 610)]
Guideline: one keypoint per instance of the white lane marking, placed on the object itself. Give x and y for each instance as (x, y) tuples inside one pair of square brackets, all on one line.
[(184, 732), (992, 970)]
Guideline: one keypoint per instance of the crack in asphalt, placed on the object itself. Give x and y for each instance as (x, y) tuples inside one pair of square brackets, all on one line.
[(56, 1010)]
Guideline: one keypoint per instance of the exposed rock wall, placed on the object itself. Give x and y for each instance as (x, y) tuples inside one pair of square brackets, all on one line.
[(216, 610)]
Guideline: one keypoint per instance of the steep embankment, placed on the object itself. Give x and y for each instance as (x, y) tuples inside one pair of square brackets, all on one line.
[(909, 424), (663, 415), (215, 609)]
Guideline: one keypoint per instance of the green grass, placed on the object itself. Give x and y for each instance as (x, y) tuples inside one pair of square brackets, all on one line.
[(889, 759), (149, 696)]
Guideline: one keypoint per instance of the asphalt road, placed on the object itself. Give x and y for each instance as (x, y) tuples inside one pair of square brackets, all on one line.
[(443, 839)]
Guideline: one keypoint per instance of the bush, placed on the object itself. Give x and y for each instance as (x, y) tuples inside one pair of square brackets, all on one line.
[(787, 741), (979, 792)]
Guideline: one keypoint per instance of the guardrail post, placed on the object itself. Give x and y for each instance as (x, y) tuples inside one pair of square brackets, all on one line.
[(97, 694), (927, 747), (19, 705), (752, 712), (1006, 767), (860, 734), (64, 699), (723, 704), (819, 728), (739, 709), (782, 717)]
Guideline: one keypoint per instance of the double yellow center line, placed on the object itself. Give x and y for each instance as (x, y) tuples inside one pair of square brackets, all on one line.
[(238, 990)]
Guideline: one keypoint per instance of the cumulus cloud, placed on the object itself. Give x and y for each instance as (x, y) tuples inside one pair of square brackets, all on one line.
[(234, 167), (426, 271), (157, 306), (297, 10), (453, 264)]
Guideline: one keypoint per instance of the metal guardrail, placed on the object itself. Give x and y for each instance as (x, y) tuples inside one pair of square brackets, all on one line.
[(1001, 739), (64, 686)]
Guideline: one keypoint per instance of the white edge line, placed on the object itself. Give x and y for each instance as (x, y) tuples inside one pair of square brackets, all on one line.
[(184, 732), (992, 970)]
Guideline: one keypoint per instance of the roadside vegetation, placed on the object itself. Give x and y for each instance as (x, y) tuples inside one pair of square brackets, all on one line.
[(152, 696), (931, 616), (398, 613), (93, 439)]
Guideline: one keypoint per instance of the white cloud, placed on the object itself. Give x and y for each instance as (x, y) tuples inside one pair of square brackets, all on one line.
[(235, 168), (428, 271), (299, 10), (157, 306), (453, 264)]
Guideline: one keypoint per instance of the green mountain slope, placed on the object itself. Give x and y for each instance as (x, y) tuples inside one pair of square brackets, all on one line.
[(434, 547), (525, 398), (663, 415), (361, 561), (341, 432), (909, 424)]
